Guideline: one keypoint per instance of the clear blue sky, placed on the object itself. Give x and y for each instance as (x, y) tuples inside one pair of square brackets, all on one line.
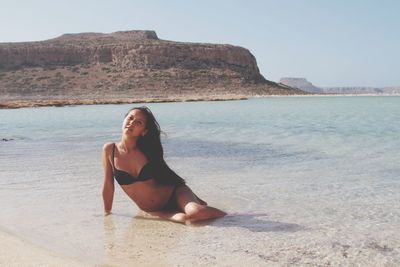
[(331, 43)]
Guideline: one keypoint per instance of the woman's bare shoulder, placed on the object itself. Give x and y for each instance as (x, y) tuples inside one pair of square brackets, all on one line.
[(108, 147)]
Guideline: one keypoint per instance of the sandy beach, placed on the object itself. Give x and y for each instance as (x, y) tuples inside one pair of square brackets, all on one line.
[(18, 252)]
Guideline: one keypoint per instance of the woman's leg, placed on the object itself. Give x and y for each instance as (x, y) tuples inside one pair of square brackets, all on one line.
[(202, 202), (192, 206)]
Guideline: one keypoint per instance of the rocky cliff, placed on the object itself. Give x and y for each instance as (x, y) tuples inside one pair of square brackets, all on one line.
[(128, 65)]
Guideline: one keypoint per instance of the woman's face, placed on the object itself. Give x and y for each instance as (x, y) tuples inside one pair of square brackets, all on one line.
[(135, 123)]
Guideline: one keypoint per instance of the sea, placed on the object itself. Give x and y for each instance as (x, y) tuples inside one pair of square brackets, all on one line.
[(307, 181)]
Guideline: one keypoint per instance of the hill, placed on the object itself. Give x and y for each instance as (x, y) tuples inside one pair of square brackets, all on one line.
[(129, 66)]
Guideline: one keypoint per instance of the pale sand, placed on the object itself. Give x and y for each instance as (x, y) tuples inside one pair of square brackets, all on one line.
[(17, 252), (14, 103)]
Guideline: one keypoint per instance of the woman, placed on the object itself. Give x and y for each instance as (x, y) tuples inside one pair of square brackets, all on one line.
[(137, 164)]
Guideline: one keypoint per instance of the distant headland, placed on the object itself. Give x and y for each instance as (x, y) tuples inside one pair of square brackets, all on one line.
[(305, 85), (125, 67)]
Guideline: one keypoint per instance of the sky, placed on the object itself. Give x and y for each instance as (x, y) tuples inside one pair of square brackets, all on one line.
[(330, 43)]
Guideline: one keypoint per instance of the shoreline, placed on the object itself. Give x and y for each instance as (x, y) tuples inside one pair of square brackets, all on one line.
[(333, 95), (36, 103), (15, 251)]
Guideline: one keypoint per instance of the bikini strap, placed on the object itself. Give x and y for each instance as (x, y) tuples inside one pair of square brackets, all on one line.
[(113, 156)]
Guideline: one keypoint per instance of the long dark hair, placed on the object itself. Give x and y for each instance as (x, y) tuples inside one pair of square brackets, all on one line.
[(150, 145)]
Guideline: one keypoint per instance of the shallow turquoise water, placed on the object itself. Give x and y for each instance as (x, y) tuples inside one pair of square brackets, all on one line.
[(316, 180)]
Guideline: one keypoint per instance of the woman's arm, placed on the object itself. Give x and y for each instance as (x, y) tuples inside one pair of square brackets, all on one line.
[(108, 185)]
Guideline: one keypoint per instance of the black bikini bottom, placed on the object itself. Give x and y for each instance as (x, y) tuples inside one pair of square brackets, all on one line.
[(172, 204)]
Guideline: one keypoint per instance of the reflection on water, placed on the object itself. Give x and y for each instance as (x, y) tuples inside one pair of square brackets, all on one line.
[(142, 241), (152, 242), (257, 223)]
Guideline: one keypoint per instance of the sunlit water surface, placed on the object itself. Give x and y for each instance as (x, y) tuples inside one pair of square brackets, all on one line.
[(312, 180)]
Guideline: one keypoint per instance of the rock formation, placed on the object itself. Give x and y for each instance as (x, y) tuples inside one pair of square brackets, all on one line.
[(303, 84), (128, 65), (300, 83)]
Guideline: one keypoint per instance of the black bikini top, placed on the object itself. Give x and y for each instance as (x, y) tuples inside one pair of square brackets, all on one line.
[(124, 178)]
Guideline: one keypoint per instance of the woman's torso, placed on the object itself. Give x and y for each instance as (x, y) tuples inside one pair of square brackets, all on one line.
[(149, 195), (133, 172)]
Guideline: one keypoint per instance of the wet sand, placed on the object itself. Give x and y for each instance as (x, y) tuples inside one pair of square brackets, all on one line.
[(18, 252)]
